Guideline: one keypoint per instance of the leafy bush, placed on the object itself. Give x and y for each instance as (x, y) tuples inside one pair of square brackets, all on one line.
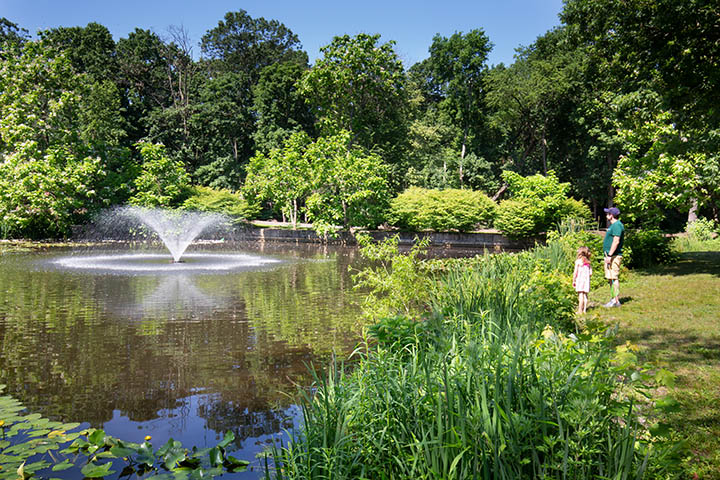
[(162, 182), (645, 248), (519, 218), (206, 199), (575, 209), (702, 229), (536, 204), (45, 196), (440, 210)]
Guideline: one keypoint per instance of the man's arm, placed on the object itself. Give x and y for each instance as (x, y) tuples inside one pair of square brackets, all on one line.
[(613, 248)]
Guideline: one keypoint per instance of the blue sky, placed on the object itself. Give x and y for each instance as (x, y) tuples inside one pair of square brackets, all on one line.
[(412, 24)]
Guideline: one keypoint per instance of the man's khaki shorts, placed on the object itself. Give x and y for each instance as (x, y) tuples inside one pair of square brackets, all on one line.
[(612, 270)]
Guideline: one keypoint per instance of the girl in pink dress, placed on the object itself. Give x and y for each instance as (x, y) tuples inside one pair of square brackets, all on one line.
[(581, 277)]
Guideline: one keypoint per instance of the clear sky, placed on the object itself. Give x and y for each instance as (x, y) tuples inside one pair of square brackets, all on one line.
[(412, 24)]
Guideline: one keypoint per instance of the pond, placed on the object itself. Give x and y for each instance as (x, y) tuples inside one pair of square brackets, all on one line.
[(187, 354)]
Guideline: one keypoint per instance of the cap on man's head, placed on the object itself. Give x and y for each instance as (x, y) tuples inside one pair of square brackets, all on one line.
[(613, 211)]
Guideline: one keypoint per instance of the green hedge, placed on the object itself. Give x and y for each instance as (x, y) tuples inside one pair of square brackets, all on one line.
[(645, 248), (441, 210), (525, 217), (206, 199)]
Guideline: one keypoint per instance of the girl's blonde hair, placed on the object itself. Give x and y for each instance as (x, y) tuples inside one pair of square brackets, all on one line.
[(584, 252)]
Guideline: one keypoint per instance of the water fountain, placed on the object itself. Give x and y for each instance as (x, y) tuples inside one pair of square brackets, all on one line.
[(177, 229)]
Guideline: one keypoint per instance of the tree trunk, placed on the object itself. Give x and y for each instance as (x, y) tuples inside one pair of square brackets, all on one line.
[(692, 213), (462, 157), (346, 222), (499, 192), (611, 189)]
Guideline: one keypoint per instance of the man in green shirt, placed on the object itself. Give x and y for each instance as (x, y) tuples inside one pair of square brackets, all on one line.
[(612, 247)]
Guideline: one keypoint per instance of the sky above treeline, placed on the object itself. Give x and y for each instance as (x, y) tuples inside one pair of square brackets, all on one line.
[(411, 24)]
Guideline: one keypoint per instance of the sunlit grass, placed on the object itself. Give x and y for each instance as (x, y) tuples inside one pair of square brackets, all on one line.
[(673, 312)]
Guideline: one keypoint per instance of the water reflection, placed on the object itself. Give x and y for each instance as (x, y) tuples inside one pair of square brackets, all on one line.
[(187, 356), (175, 297)]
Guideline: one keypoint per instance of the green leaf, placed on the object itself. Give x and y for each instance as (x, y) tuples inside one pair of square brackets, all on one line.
[(667, 404), (234, 464), (229, 438), (92, 470), (173, 458), (665, 377), (216, 456), (97, 438), (59, 467), (122, 451)]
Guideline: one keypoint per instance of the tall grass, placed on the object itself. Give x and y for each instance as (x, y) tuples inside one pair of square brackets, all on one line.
[(488, 388)]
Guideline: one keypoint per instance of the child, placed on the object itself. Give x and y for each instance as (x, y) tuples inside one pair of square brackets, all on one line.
[(581, 277)]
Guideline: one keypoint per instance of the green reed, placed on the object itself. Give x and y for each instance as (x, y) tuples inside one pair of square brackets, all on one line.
[(488, 388)]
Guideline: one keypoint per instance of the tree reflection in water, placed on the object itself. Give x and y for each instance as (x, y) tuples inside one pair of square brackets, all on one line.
[(225, 352)]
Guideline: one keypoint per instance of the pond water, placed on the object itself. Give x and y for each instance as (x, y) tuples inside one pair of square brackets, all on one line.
[(184, 353)]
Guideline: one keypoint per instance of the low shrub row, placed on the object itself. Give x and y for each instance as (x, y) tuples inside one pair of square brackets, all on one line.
[(441, 210)]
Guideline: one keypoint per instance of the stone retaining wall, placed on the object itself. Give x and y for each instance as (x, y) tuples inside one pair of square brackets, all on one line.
[(477, 240)]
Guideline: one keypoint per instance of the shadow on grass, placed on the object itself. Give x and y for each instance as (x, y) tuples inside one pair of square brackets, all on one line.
[(601, 305), (689, 263), (676, 347)]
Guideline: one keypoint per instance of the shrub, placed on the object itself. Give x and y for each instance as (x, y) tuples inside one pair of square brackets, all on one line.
[(519, 218), (575, 209), (702, 229), (537, 203), (440, 210), (45, 196), (644, 248), (162, 182), (206, 199)]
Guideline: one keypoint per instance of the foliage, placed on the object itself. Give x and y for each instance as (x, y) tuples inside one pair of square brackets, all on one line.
[(647, 247), (451, 80), (33, 445), (701, 236), (283, 176), (519, 218), (537, 203), (656, 172), (240, 43), (396, 284), (358, 86), (50, 175), (440, 210), (481, 387), (225, 123), (161, 182), (530, 102), (11, 33), (702, 229), (280, 107), (45, 196), (206, 199), (349, 184)]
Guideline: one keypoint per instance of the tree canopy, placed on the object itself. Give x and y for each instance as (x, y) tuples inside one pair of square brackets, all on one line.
[(620, 101)]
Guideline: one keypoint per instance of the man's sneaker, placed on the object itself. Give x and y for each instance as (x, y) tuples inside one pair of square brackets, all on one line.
[(612, 303)]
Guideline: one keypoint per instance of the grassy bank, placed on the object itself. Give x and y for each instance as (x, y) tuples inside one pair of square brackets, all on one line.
[(479, 373), (673, 313)]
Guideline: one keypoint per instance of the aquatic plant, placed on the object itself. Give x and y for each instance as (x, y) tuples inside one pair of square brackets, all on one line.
[(35, 446)]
